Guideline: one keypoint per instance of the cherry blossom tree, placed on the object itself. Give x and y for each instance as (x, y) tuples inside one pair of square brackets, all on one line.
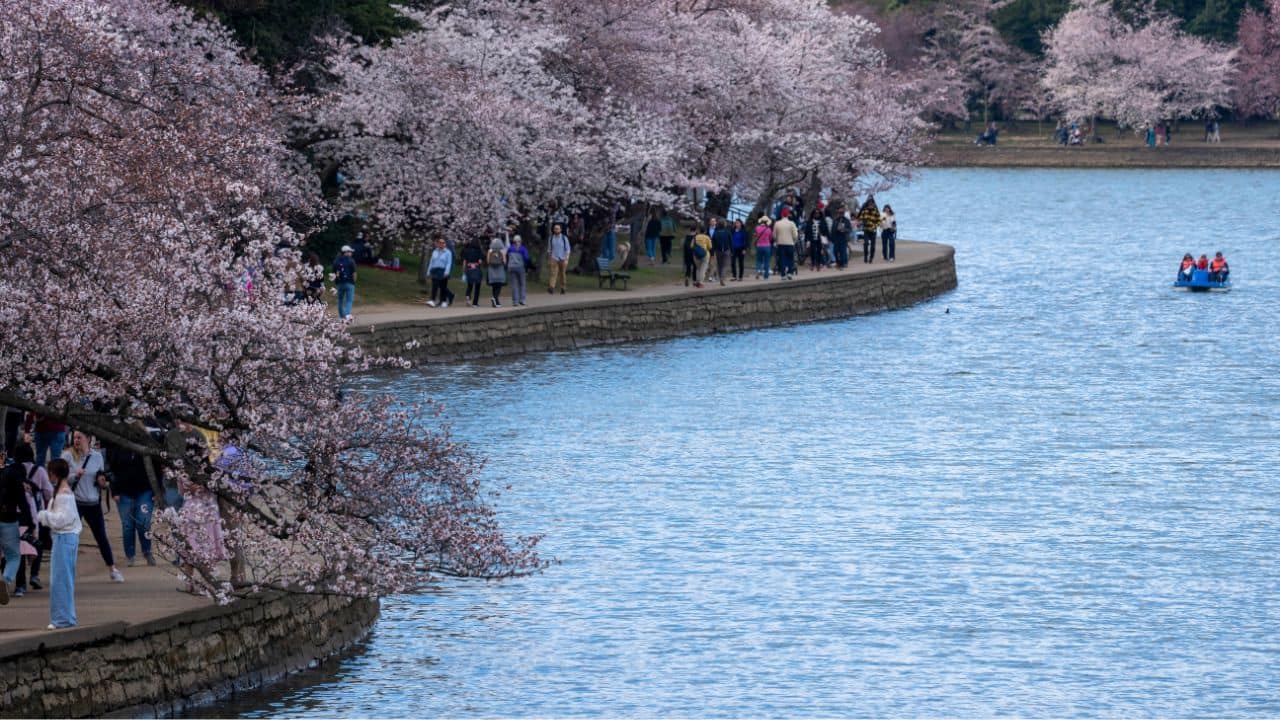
[(150, 231), (1257, 79), (1099, 65), (986, 69)]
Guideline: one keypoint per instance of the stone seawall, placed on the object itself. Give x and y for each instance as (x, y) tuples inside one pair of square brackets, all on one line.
[(160, 667), (632, 318)]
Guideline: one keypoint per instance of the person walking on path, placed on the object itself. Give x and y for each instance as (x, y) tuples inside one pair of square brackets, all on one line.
[(869, 216), (473, 270), (841, 233), (131, 489), (739, 242), (558, 249), (785, 235), (690, 263), (722, 245), (344, 279), (652, 231), (63, 521), (438, 269), (764, 247), (87, 480), (667, 237), (815, 236), (702, 256), (888, 234), (517, 262), (497, 270)]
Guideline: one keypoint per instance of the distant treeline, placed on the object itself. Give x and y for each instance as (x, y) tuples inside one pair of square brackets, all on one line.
[(1022, 22)]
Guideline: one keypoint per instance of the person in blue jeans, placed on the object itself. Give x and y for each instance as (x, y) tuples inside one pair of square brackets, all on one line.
[(344, 279), (49, 437), (652, 231), (135, 500), (14, 511), (63, 519)]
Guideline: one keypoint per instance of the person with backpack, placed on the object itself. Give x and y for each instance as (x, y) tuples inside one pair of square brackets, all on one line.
[(558, 249), (438, 269), (841, 233), (702, 254), (134, 498), (517, 269), (39, 493), (473, 260), (497, 270), (869, 216), (15, 512), (87, 479), (63, 520), (344, 279)]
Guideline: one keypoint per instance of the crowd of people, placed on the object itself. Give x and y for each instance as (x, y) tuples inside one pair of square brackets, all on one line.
[(50, 490), (716, 250), (1217, 267)]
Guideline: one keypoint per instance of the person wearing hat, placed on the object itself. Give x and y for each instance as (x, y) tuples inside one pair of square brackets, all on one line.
[(344, 279), (764, 246), (785, 235), (869, 215)]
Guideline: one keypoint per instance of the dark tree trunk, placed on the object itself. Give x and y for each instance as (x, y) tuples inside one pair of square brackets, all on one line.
[(812, 192), (424, 258), (388, 250), (598, 221), (719, 203)]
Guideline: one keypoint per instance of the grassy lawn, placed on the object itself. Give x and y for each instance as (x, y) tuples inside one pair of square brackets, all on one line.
[(375, 287)]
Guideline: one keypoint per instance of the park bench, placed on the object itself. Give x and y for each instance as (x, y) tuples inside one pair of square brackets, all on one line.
[(609, 276)]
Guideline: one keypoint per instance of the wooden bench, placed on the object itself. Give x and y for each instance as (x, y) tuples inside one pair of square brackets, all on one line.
[(607, 275)]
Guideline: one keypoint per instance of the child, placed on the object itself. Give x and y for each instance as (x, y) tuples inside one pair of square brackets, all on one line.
[(63, 520)]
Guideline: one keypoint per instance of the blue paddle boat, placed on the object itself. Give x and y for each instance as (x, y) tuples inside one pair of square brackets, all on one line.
[(1200, 282)]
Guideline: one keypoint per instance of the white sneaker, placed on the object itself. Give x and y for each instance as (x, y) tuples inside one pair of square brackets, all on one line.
[(431, 303), (51, 627), (444, 304), (116, 576)]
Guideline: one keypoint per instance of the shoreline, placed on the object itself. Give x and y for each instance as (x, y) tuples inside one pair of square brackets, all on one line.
[(427, 336)]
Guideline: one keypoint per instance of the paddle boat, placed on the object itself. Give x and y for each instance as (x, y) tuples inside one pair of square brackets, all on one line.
[(1201, 281)]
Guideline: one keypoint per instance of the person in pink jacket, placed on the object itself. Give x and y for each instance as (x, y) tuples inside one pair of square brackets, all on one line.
[(764, 247)]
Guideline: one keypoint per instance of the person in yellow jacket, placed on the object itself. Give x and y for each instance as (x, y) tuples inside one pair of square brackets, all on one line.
[(870, 217), (701, 255)]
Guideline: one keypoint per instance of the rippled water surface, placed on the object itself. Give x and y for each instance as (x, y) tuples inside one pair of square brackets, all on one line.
[(1058, 498)]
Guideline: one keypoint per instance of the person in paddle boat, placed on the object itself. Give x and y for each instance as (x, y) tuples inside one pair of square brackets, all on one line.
[(1203, 263), (1188, 264), (1218, 270)]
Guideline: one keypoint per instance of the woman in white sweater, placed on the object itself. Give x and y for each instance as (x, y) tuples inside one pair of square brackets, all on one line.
[(63, 520)]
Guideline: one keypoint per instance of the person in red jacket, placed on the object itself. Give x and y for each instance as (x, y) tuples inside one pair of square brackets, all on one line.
[(1218, 270), (1188, 264), (1203, 263)]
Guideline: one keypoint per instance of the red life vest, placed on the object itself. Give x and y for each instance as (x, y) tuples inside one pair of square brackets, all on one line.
[(1202, 264), (1218, 264)]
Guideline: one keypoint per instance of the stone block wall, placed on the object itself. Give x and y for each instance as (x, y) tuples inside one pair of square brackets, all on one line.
[(643, 318), (160, 667)]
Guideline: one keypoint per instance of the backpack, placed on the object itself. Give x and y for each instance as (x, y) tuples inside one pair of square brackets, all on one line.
[(495, 258)]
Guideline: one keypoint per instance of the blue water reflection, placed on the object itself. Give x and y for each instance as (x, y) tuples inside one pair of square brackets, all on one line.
[(1058, 498)]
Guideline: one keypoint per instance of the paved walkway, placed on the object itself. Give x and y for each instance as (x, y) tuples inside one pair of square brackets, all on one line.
[(148, 593), (908, 253)]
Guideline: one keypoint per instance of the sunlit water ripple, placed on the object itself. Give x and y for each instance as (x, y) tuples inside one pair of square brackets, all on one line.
[(1060, 498)]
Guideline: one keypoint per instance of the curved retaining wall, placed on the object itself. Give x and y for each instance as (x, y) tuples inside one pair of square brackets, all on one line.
[(655, 317), (160, 667)]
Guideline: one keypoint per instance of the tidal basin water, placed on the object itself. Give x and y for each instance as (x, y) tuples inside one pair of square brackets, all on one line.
[(1059, 498)]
